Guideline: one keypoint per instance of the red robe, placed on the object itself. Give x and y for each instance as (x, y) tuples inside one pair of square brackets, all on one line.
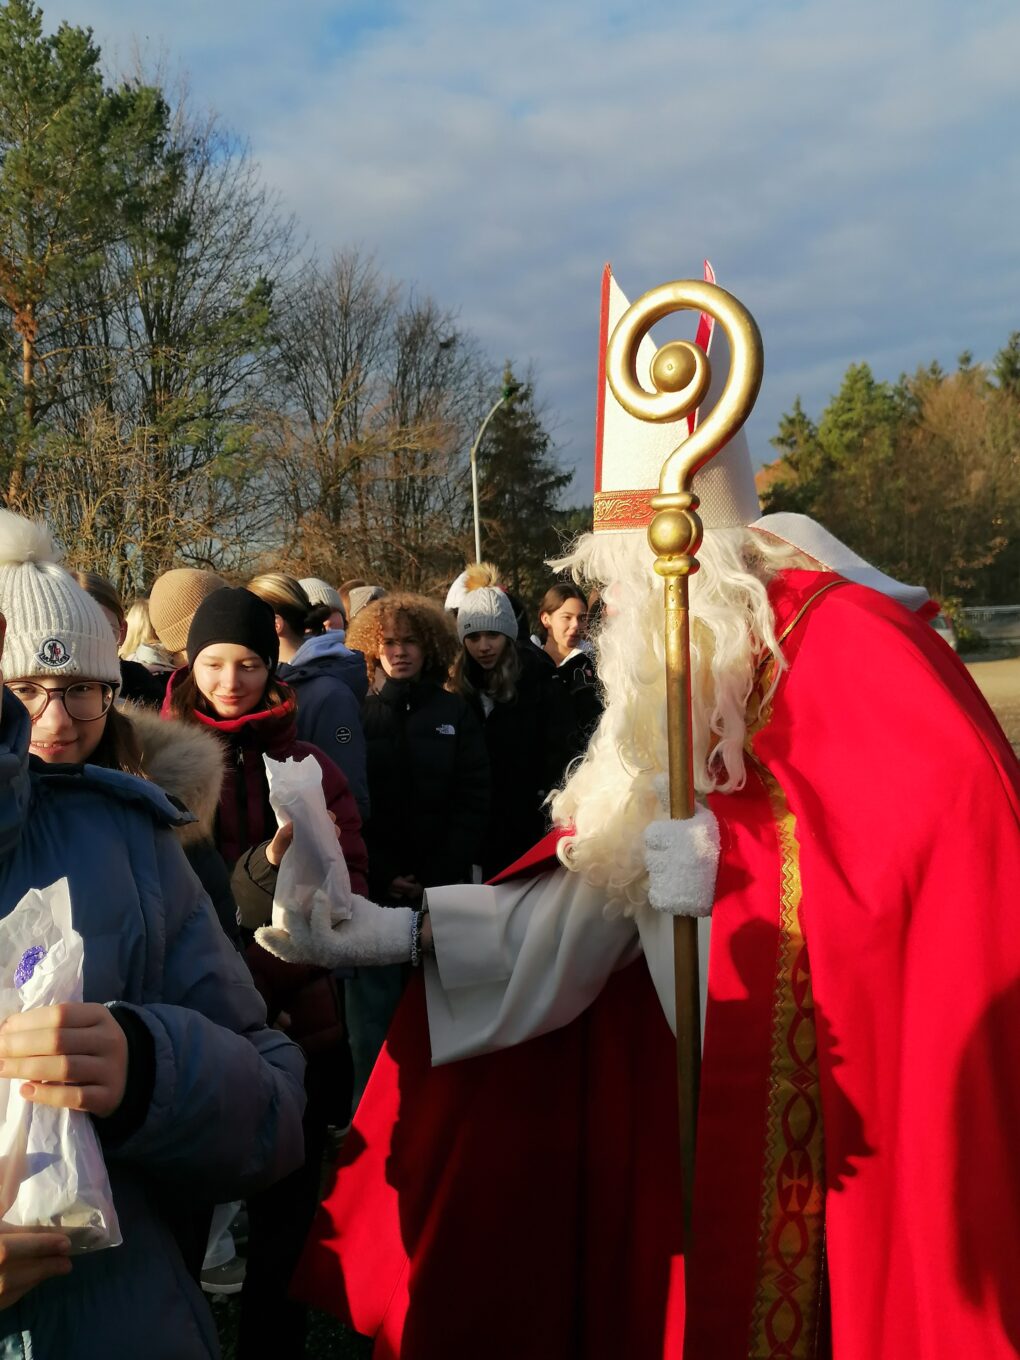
[(858, 1179)]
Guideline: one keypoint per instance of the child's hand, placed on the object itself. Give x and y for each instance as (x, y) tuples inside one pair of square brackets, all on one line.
[(74, 1056), (280, 844), (27, 1257)]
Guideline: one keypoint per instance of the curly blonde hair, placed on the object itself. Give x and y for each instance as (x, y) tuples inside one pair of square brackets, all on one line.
[(430, 623)]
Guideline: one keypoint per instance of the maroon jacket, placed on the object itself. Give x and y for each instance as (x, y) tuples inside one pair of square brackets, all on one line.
[(244, 819)]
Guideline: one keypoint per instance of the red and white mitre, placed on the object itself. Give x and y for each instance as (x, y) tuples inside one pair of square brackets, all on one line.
[(629, 453)]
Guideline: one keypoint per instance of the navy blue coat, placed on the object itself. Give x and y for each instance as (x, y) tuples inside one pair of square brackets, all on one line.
[(330, 682), (224, 1116)]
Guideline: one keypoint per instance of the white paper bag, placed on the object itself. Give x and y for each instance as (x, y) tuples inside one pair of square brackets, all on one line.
[(313, 870), (52, 1172)]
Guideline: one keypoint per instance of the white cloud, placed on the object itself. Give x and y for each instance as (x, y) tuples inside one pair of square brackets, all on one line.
[(849, 168)]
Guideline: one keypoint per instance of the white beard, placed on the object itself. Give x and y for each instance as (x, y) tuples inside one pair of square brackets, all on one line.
[(618, 787)]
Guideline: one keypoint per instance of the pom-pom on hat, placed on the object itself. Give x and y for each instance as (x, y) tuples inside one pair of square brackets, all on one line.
[(458, 590), (173, 600), (487, 610), (319, 592), (53, 627), (233, 614)]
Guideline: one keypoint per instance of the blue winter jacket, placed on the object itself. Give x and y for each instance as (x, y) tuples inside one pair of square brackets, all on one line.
[(331, 682), (227, 1099)]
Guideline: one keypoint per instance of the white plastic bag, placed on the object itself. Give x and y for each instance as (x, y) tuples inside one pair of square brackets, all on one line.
[(52, 1172), (313, 870)]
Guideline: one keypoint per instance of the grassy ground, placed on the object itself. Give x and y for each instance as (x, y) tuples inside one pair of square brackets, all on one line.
[(999, 681)]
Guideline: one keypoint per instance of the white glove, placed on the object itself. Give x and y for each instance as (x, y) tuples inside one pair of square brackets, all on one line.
[(374, 935), (682, 859)]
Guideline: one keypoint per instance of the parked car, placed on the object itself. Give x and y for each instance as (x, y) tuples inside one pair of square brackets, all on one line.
[(943, 625)]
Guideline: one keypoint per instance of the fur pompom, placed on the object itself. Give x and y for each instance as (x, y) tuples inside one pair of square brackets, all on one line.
[(25, 540)]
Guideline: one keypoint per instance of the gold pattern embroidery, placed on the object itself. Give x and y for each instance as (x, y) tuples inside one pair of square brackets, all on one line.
[(623, 509), (784, 1322)]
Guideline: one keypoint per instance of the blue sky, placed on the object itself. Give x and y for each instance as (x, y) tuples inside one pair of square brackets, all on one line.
[(852, 169)]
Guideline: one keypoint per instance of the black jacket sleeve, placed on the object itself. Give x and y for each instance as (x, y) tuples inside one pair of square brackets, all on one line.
[(469, 804), (130, 1114), (254, 885)]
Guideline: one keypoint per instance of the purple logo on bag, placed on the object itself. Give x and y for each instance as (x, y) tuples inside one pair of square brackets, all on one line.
[(30, 960)]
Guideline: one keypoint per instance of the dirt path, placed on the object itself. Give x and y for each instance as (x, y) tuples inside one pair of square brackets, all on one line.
[(999, 682)]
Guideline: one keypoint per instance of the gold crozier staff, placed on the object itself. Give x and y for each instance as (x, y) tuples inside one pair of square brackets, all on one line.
[(680, 373)]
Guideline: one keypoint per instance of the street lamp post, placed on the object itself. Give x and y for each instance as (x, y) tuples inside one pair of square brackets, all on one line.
[(508, 393)]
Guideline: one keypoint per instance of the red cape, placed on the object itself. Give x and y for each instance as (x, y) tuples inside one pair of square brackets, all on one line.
[(858, 1122)]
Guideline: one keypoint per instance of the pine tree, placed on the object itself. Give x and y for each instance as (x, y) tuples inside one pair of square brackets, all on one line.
[(520, 485), (919, 477), (1007, 366), (72, 156)]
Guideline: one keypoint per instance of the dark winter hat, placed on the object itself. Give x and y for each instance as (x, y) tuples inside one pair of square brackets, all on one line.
[(487, 610), (233, 614)]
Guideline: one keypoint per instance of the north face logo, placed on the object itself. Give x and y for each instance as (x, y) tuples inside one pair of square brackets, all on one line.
[(53, 653), (446, 730)]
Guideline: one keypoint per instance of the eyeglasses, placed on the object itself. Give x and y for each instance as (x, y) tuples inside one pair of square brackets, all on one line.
[(86, 701)]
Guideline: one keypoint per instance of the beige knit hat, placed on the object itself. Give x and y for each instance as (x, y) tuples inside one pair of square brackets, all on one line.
[(320, 592), (53, 627), (173, 600), (361, 596)]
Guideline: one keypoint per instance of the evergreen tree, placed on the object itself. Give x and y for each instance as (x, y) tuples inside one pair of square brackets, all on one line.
[(1007, 366), (519, 489), (920, 477), (73, 156), (800, 466)]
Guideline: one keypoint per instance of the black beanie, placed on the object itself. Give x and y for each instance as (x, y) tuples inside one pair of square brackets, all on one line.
[(234, 614)]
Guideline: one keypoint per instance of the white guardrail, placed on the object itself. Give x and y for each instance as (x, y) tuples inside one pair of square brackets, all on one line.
[(996, 623)]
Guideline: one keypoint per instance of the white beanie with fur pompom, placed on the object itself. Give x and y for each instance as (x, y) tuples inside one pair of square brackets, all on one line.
[(53, 626)]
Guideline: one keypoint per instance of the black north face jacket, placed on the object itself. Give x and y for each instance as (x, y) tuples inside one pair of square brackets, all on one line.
[(428, 783)]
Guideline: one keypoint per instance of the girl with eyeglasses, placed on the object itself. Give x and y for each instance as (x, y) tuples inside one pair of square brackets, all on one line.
[(195, 1100)]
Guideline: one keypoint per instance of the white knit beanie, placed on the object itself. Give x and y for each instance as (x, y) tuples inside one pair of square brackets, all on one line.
[(486, 610), (457, 593), (53, 626)]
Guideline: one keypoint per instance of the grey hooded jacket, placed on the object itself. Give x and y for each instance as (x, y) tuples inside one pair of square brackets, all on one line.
[(224, 1116)]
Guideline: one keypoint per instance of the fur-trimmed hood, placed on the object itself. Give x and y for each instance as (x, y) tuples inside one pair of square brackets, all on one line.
[(183, 759)]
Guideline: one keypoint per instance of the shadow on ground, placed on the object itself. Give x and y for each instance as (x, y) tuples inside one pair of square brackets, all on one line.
[(327, 1339)]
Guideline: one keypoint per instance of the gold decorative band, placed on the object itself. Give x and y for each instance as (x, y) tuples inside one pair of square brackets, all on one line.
[(791, 1241), (623, 509)]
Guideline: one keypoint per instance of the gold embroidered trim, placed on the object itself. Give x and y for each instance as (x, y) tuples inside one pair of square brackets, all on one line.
[(623, 509), (806, 606), (784, 1320)]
